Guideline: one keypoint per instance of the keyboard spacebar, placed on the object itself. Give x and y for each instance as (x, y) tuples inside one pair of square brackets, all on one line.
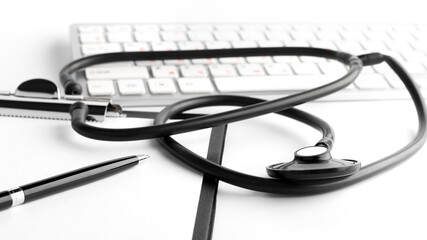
[(270, 83)]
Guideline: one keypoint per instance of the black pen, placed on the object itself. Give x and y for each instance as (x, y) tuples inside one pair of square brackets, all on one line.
[(61, 182)]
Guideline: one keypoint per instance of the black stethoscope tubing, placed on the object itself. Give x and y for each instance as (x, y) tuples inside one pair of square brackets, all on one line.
[(250, 108)]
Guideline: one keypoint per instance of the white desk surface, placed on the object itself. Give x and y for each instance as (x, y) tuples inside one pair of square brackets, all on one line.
[(158, 199)]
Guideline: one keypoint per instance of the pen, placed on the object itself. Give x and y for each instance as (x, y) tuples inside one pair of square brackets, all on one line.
[(61, 182)]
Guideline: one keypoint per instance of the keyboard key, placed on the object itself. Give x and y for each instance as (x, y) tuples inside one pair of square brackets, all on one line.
[(195, 85), (174, 27), (204, 61), (100, 88), (244, 44), (395, 54), (200, 36), (119, 28), (266, 44), (305, 27), (116, 72), (222, 70), (280, 27), (381, 35), (217, 45), (252, 35), (164, 46), (422, 34), (177, 62), (269, 83), (260, 59), (402, 46), (226, 35), (331, 35), (92, 37), (330, 27), (191, 46), (350, 46), (253, 27), (402, 35), (173, 36), (136, 47), (278, 69), (303, 35), (421, 27), (414, 67), (193, 71), (379, 27), (119, 37), (286, 59), (149, 63), (278, 35), (131, 86), (252, 69), (91, 28), (309, 59), (332, 68), (371, 81), (420, 79), (147, 36), (296, 43), (356, 27), (232, 60), (368, 70), (147, 28), (114, 64), (404, 27), (414, 56), (420, 45), (305, 68), (161, 86), (374, 46), (355, 35), (382, 68), (323, 44), (165, 72), (200, 27), (395, 81), (91, 49), (227, 27)]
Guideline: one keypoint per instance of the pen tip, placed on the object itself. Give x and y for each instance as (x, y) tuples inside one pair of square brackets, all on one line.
[(142, 157)]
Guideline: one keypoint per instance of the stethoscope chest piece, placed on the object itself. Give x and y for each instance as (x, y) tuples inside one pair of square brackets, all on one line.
[(313, 163)]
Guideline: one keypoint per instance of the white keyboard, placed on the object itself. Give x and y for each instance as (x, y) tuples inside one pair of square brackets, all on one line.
[(148, 83)]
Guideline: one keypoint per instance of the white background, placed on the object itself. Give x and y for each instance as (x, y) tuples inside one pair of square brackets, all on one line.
[(158, 199)]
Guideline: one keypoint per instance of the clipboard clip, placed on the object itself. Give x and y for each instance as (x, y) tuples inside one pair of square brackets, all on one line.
[(40, 98)]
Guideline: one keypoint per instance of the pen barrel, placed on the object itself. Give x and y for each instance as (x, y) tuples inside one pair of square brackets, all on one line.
[(76, 178), (5, 200), (12, 197)]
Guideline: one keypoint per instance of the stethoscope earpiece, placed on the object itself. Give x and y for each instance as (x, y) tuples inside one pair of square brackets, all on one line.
[(313, 163)]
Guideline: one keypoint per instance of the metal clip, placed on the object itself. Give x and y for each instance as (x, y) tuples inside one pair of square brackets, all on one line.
[(40, 98)]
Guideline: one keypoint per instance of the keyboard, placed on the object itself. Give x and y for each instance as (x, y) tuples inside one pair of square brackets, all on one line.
[(153, 83)]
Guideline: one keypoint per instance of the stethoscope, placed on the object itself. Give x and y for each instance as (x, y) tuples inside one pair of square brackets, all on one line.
[(313, 169)]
